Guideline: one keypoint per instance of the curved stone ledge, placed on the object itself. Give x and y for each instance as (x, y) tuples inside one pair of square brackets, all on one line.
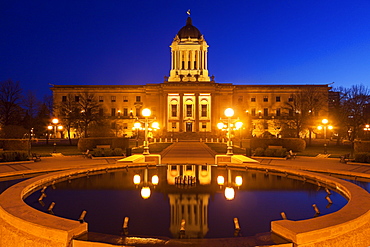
[(21, 225), (348, 226)]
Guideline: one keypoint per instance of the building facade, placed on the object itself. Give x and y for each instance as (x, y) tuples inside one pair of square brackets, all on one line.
[(190, 101)]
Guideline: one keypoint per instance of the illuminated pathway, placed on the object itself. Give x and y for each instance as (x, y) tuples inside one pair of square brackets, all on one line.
[(188, 152)]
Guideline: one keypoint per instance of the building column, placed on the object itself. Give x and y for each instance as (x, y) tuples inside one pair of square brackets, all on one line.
[(181, 121)]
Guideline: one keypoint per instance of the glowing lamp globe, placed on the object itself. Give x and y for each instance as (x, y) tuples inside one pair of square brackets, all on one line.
[(229, 193), (146, 112), (137, 179), (220, 180), (229, 112), (55, 121), (238, 180), (155, 180), (325, 121), (145, 192)]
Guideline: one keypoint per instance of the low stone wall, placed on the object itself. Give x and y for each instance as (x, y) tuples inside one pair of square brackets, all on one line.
[(350, 226)]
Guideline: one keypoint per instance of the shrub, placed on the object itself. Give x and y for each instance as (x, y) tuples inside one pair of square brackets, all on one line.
[(270, 152), (90, 143), (8, 156), (107, 152), (361, 146), (294, 144), (259, 152), (97, 152), (362, 157), (281, 152), (117, 152), (15, 144)]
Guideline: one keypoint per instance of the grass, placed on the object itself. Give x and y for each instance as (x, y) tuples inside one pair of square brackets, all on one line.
[(46, 150), (153, 148)]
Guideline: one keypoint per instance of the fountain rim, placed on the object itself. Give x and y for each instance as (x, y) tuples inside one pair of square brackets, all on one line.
[(353, 215)]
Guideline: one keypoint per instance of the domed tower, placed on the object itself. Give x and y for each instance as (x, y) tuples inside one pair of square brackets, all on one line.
[(189, 55)]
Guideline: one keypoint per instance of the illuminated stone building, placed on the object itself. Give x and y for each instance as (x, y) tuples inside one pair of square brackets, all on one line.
[(191, 101)]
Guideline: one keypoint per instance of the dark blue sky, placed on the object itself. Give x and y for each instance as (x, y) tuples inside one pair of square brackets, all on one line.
[(116, 42)]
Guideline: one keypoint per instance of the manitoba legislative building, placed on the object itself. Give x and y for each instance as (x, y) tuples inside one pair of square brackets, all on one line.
[(190, 103)]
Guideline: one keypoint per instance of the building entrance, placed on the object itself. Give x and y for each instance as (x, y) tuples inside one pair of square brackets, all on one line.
[(189, 127)]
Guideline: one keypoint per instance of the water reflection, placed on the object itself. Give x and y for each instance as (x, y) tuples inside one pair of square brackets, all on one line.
[(186, 201)]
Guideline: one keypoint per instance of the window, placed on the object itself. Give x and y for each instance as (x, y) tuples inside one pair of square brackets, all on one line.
[(290, 99), (113, 112), (77, 98), (277, 98), (204, 111), (173, 110), (265, 112), (204, 125), (189, 109), (125, 112), (101, 112), (113, 98), (101, 98), (64, 98), (278, 112), (254, 112), (173, 126), (138, 98), (265, 99), (253, 99), (125, 99), (125, 126)]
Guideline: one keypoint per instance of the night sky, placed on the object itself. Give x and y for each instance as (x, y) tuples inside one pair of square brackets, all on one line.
[(115, 42)]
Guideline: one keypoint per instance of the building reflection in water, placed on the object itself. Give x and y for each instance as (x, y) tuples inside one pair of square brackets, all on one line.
[(192, 195)]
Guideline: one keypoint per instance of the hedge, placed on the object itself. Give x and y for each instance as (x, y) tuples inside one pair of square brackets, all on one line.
[(15, 144), (362, 157), (91, 143), (362, 146), (294, 144), (7, 156)]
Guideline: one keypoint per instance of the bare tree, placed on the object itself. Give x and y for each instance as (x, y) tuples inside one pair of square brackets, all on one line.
[(89, 110), (10, 99), (304, 109), (353, 102), (68, 112)]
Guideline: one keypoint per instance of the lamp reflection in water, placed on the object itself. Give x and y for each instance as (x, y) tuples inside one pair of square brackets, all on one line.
[(229, 187), (145, 185)]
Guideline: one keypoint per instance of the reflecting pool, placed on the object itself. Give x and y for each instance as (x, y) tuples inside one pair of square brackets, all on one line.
[(187, 201)]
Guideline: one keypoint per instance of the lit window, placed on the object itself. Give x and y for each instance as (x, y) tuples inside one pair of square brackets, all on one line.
[(189, 110), (174, 110), (204, 110), (138, 98)]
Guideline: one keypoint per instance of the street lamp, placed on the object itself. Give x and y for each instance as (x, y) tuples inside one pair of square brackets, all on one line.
[(366, 129), (229, 112), (54, 127), (229, 185), (146, 113), (325, 127)]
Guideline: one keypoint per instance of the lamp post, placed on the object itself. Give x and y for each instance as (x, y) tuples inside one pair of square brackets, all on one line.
[(146, 113), (145, 185), (54, 127), (325, 127), (366, 129), (229, 112)]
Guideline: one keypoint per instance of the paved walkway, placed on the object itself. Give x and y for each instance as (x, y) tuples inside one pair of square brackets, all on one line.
[(182, 152)]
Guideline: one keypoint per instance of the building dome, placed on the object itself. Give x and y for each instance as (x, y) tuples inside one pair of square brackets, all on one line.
[(189, 31)]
